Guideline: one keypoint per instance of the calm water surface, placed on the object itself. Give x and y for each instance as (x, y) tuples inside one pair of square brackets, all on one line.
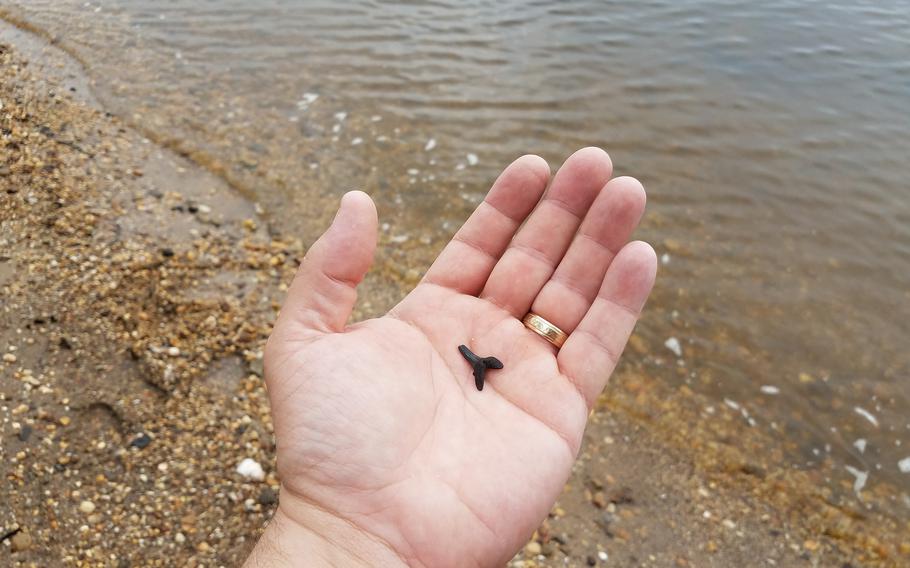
[(773, 138)]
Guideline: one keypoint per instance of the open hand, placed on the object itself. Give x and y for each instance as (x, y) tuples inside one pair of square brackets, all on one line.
[(387, 452)]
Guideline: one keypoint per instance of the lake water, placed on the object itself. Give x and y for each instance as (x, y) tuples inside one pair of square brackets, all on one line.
[(773, 138)]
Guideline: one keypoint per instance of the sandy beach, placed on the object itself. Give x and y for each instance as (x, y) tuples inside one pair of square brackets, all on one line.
[(138, 289)]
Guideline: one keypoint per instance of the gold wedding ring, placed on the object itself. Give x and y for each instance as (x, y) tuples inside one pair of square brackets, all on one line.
[(545, 329)]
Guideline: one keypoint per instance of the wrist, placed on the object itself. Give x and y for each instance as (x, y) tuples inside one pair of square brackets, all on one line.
[(301, 534)]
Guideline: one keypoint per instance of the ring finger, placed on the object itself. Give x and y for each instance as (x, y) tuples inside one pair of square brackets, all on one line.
[(567, 295)]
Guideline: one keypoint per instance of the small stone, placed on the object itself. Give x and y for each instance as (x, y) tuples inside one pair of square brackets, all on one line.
[(179, 538), (87, 507), (591, 561), (65, 420), (712, 546), (267, 497), (473, 160), (203, 547), (622, 496), (25, 432), (173, 351), (257, 367), (603, 556), (599, 500), (9, 358), (904, 465), (21, 541), (250, 469), (638, 344), (811, 545), (673, 345), (533, 548), (141, 441)]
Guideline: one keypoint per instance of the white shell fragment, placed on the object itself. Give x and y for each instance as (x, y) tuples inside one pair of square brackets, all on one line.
[(250, 469), (866, 414), (860, 478), (673, 345)]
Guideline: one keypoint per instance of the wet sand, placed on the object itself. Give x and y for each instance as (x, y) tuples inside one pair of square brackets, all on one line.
[(138, 290)]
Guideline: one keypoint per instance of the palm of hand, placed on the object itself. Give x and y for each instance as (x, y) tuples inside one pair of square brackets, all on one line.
[(380, 423)]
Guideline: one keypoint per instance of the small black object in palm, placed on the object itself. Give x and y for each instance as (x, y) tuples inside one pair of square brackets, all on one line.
[(480, 364)]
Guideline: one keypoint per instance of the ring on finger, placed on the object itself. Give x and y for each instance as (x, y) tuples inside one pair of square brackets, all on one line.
[(545, 329)]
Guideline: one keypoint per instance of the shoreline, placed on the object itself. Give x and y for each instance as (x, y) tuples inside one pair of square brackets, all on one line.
[(151, 283)]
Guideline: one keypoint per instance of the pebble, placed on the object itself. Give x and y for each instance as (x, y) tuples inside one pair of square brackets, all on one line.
[(141, 441), (533, 548), (25, 432), (904, 465), (250, 469), (770, 389), (9, 358), (179, 538), (673, 345), (267, 497), (87, 507), (21, 541), (473, 160), (431, 143)]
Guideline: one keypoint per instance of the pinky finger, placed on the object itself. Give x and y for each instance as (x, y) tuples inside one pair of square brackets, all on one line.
[(593, 349)]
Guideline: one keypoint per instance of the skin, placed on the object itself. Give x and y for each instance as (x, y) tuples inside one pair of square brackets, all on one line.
[(387, 453)]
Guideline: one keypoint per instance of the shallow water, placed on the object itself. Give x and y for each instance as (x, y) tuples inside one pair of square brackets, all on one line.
[(773, 139)]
